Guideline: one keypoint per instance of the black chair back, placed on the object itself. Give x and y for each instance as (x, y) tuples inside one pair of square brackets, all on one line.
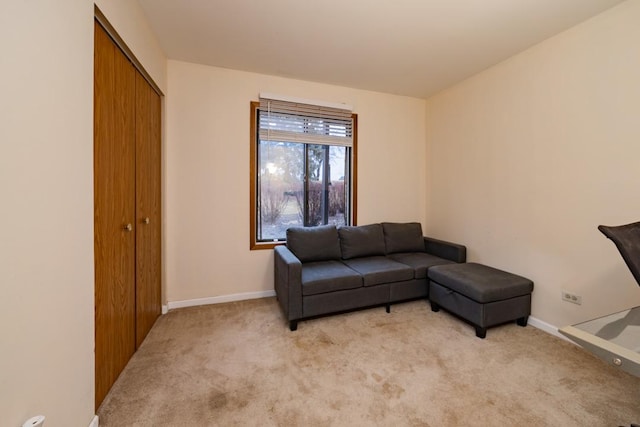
[(627, 240)]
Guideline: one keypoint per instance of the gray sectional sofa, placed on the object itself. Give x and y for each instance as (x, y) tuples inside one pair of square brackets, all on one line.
[(324, 270)]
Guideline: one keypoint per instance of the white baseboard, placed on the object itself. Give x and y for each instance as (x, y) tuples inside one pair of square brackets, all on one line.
[(547, 327), (165, 309), (95, 422), (219, 300)]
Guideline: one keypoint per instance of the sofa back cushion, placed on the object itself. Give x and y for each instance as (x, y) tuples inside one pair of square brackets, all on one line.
[(314, 243), (360, 241), (403, 237)]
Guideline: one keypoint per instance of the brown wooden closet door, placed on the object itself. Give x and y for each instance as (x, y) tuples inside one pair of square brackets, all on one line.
[(148, 256), (114, 211)]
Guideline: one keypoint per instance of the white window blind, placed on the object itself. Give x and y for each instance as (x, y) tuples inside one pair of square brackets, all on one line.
[(288, 121)]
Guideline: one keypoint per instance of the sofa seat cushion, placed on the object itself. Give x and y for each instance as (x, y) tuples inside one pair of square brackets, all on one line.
[(419, 261), (328, 276), (376, 270), (480, 282)]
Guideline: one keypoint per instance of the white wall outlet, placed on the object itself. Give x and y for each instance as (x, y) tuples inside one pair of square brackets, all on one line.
[(572, 298)]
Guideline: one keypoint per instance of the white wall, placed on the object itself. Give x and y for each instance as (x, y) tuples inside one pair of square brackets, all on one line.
[(46, 207), (207, 175), (527, 158)]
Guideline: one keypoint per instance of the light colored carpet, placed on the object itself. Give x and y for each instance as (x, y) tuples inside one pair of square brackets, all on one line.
[(238, 364)]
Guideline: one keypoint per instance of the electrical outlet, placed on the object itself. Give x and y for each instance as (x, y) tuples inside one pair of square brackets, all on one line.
[(572, 298)]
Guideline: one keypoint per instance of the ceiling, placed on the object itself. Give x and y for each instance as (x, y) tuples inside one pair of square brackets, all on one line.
[(405, 47)]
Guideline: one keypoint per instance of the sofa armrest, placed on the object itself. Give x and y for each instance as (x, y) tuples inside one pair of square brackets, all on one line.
[(446, 250), (288, 282)]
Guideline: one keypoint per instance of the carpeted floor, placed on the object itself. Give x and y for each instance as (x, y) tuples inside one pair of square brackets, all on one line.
[(238, 364)]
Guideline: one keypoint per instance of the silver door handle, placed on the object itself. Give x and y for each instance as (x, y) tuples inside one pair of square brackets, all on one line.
[(146, 220), (128, 227)]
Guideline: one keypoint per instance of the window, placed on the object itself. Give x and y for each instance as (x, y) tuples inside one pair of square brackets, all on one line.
[(303, 168)]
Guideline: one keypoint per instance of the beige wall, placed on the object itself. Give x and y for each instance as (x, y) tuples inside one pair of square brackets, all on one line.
[(207, 175), (46, 237), (523, 161), (527, 158), (46, 193)]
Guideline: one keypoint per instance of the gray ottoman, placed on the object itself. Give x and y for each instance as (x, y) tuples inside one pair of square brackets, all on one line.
[(482, 295)]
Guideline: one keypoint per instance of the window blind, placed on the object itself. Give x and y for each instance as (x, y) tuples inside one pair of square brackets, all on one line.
[(287, 121)]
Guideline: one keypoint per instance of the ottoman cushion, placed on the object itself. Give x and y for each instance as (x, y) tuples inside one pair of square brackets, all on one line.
[(479, 282)]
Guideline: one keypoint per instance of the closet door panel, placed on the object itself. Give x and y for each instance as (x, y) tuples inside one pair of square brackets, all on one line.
[(148, 201), (114, 211)]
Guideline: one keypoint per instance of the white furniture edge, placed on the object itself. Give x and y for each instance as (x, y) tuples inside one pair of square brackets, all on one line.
[(611, 352)]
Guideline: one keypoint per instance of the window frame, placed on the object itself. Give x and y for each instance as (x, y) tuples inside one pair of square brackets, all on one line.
[(254, 244)]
